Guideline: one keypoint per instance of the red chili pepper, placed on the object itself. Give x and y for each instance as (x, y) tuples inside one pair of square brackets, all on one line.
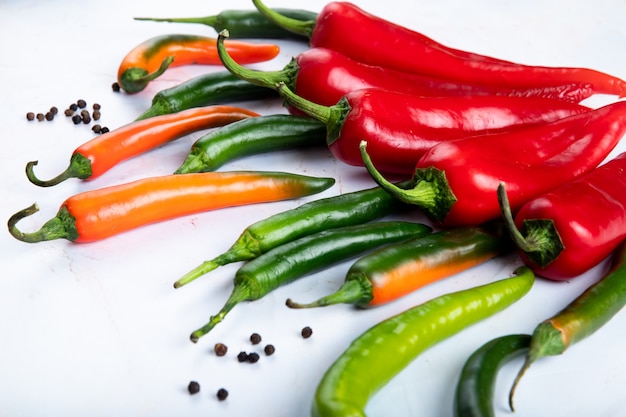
[(572, 228), (323, 76), (151, 58), (93, 158), (98, 214), (346, 28), (400, 128), (455, 182)]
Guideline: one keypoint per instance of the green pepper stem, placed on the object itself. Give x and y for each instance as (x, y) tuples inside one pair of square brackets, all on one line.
[(351, 292), (240, 293), (430, 191), (135, 79), (267, 79), (206, 20), (63, 226), (299, 27), (246, 247), (79, 167), (539, 239)]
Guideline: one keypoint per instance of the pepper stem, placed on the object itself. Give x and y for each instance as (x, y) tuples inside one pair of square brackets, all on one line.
[(299, 27), (538, 239), (80, 167), (352, 291), (430, 191), (63, 226), (240, 293), (136, 79), (206, 20), (267, 79)]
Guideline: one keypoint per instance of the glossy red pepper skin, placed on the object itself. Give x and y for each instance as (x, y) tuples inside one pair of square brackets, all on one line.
[(400, 128), (588, 215), (346, 28), (323, 76), (456, 182)]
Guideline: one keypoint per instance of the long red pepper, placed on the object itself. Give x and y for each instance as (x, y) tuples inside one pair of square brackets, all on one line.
[(96, 156), (98, 214), (346, 28), (151, 58), (400, 127), (323, 76), (456, 182), (572, 228)]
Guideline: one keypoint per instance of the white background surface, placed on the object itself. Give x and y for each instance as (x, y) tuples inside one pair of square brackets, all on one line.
[(97, 329)]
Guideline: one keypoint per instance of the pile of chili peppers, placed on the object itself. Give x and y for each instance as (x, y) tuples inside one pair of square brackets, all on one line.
[(499, 156)]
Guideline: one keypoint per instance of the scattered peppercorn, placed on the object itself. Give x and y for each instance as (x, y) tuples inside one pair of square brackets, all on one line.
[(49, 116), (69, 112), (73, 106), (54, 110), (269, 350), (193, 387), (255, 338), (40, 116), (115, 87), (222, 394), (96, 106), (96, 128), (77, 119), (253, 357), (220, 349), (96, 115), (104, 130), (242, 357), (30, 116), (307, 332), (81, 103)]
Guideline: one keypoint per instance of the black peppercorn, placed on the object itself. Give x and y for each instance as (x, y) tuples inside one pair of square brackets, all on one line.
[(96, 115), (115, 87), (220, 349), (30, 116), (242, 357), (81, 103), (104, 130), (96, 128), (54, 110), (307, 332), (77, 119), (49, 116), (73, 106), (269, 350), (222, 394), (255, 338), (253, 357), (193, 387)]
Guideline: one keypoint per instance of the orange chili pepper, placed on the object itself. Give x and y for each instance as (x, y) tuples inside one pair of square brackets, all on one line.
[(98, 214), (397, 270), (151, 58), (95, 157)]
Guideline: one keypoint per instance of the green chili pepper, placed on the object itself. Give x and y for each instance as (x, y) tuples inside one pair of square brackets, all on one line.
[(268, 133), (397, 270), (295, 259), (328, 213), (205, 90), (377, 355), (474, 391), (246, 23), (581, 318)]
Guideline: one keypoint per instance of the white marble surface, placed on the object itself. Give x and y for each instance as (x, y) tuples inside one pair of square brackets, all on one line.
[(97, 329)]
